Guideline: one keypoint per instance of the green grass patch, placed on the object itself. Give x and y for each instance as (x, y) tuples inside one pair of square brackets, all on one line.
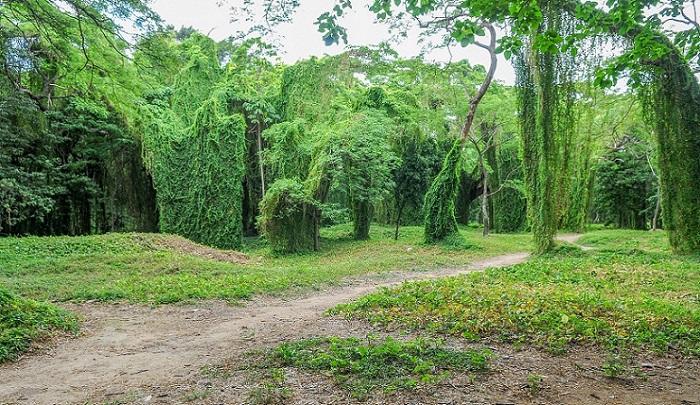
[(24, 321), (615, 239), (363, 366), (621, 300), (135, 268)]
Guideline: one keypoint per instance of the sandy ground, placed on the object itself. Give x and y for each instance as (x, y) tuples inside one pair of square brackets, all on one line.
[(142, 354)]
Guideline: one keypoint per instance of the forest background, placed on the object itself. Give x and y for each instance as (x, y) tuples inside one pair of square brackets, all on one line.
[(178, 133)]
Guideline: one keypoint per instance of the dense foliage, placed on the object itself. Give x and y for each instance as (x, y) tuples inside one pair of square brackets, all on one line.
[(625, 185), (67, 93), (362, 133)]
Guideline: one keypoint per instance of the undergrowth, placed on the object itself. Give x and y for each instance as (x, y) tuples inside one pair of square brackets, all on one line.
[(25, 321), (364, 366), (619, 299)]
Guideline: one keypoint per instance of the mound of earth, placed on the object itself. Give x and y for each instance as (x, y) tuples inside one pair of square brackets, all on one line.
[(184, 246)]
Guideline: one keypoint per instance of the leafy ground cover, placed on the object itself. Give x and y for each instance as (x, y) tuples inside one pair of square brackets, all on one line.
[(623, 300), (23, 321), (137, 268), (361, 366), (158, 269)]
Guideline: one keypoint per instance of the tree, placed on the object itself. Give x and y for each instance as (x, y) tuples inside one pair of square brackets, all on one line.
[(624, 185), (364, 165), (436, 201)]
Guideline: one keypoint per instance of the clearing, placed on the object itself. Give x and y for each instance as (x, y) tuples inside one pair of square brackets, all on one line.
[(141, 354)]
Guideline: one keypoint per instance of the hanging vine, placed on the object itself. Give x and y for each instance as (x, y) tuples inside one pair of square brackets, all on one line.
[(545, 102), (439, 207)]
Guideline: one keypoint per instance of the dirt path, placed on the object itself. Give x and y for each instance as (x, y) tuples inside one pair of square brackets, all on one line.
[(139, 354), (127, 347)]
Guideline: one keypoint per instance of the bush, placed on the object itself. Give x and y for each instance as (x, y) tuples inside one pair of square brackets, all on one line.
[(286, 218)]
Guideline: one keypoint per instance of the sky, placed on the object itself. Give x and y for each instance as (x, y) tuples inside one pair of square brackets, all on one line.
[(300, 39)]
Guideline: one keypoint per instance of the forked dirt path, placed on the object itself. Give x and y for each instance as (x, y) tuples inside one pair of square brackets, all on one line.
[(143, 355)]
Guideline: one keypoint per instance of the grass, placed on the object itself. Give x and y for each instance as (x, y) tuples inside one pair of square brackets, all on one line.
[(24, 321), (127, 267), (133, 268), (364, 366), (618, 299), (630, 293), (627, 239)]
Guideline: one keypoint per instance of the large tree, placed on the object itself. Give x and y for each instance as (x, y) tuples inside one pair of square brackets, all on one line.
[(54, 49), (71, 61)]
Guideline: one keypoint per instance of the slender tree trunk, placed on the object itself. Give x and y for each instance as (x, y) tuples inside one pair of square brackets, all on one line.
[(485, 197), (657, 210), (317, 220), (398, 221), (258, 136)]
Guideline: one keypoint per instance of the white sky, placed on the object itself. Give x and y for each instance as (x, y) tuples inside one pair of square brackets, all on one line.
[(301, 39)]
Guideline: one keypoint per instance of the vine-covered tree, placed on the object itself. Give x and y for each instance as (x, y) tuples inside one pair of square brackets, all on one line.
[(194, 147), (364, 166)]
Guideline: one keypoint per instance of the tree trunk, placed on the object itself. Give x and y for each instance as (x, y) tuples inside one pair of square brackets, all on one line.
[(317, 220), (657, 210), (485, 196), (398, 221), (258, 136)]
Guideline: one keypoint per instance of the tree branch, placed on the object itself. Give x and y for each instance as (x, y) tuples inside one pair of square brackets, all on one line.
[(505, 181), (474, 103)]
